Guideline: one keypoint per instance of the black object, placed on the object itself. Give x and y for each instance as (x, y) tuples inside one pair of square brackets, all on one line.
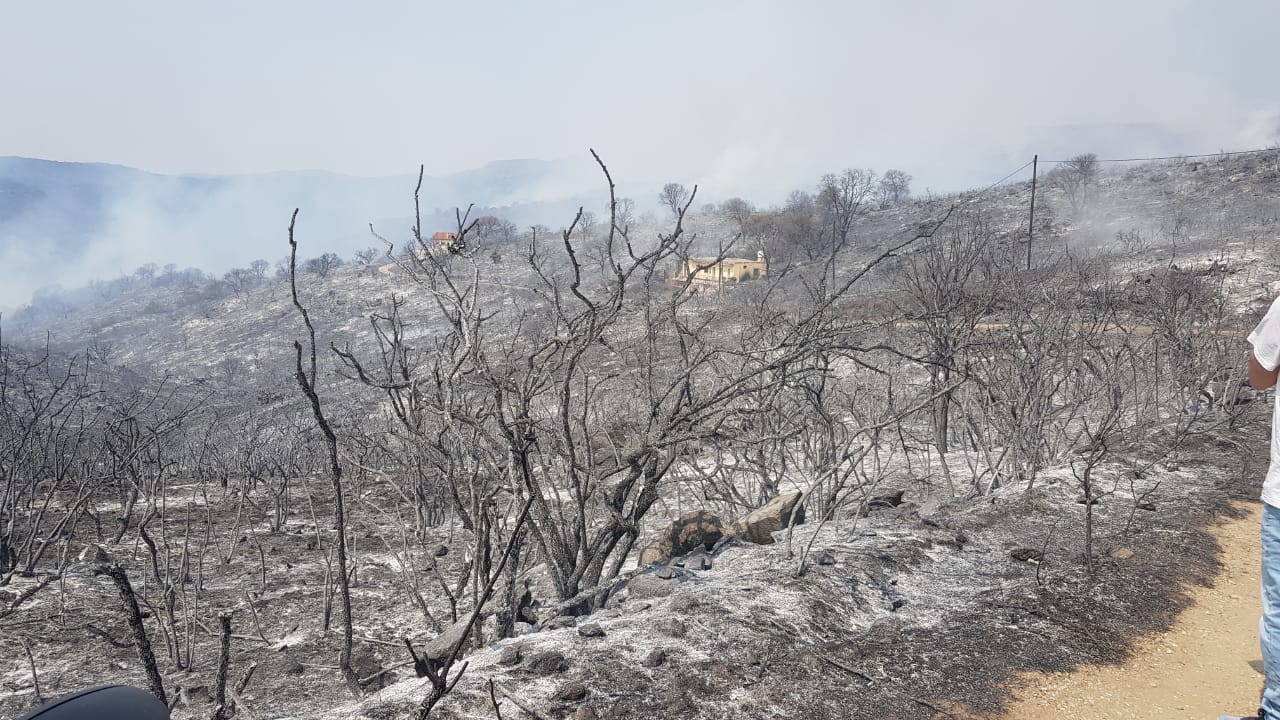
[(104, 702)]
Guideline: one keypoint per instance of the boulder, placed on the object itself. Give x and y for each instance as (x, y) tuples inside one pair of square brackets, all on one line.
[(590, 630), (570, 692), (697, 560), (671, 627), (759, 525), (650, 555), (655, 658), (649, 585), (1027, 555), (439, 647), (560, 621), (94, 554), (886, 500), (685, 601), (511, 654), (697, 529), (368, 668), (546, 663)]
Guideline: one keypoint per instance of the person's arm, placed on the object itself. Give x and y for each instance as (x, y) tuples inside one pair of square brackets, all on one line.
[(1260, 378), (1264, 359)]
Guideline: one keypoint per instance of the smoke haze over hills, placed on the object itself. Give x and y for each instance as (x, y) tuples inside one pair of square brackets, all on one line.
[(70, 223)]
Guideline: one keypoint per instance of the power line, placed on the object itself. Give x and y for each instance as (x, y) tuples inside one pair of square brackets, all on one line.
[(1175, 157), (1006, 177)]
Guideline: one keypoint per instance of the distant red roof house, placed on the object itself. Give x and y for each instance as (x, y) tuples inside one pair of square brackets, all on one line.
[(444, 242)]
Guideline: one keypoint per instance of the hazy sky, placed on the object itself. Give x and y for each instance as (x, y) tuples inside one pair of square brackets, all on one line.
[(744, 97)]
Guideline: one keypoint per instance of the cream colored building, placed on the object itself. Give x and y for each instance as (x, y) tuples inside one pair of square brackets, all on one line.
[(722, 271)]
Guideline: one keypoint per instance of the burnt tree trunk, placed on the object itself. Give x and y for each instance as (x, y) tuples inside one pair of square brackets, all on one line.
[(134, 615)]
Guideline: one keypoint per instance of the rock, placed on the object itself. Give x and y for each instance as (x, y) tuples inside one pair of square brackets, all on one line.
[(897, 604), (570, 692), (759, 525), (293, 667), (650, 555), (546, 663), (511, 654), (697, 529), (1149, 507), (440, 551), (94, 554), (590, 630), (527, 615), (365, 665), (585, 712), (666, 573), (671, 627), (827, 558), (617, 599), (684, 602), (651, 585), (697, 560), (656, 657), (439, 647), (524, 628), (560, 621), (1122, 553), (887, 500), (1027, 555)]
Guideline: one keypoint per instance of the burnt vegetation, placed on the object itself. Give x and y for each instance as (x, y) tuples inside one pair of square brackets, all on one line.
[(415, 483)]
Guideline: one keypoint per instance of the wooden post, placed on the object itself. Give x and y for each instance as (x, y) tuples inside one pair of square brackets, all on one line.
[(1031, 223)]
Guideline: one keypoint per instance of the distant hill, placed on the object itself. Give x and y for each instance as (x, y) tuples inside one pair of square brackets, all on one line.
[(69, 223)]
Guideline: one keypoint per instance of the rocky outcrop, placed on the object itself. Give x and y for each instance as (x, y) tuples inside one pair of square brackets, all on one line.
[(759, 525), (689, 537)]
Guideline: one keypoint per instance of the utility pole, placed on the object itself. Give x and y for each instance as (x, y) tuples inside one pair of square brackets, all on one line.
[(1031, 224)]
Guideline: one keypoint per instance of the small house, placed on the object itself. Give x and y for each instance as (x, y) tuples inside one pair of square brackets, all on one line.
[(721, 271), (444, 242)]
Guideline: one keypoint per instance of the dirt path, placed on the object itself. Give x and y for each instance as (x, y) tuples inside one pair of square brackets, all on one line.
[(1204, 666)]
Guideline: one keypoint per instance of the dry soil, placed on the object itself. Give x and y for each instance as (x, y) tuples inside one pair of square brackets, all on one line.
[(1206, 665)]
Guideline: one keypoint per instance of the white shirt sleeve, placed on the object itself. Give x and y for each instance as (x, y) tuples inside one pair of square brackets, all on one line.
[(1265, 338)]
